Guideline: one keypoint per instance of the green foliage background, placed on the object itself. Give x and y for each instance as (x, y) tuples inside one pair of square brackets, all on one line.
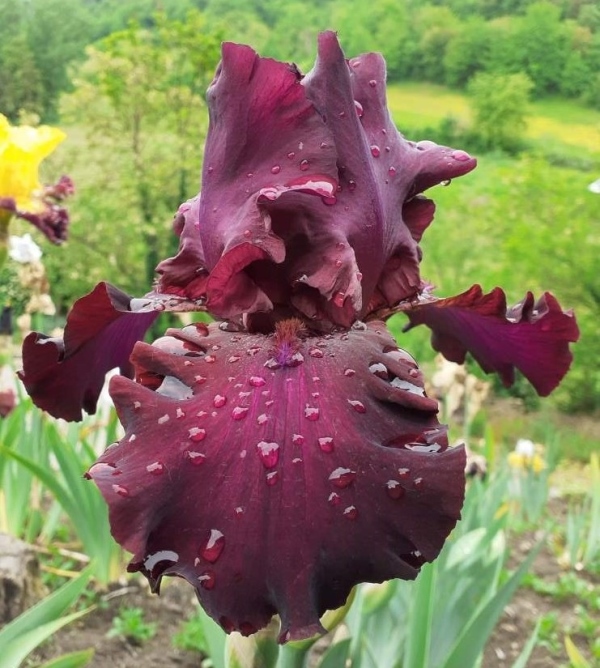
[(127, 83)]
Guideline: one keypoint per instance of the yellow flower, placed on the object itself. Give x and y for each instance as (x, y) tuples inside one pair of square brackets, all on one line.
[(533, 462), (22, 149)]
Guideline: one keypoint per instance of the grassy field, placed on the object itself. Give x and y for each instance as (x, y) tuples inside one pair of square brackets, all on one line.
[(551, 120)]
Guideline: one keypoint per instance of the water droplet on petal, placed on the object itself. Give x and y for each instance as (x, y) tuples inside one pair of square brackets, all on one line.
[(392, 171), (338, 299), (239, 412), (239, 510), (291, 155), (213, 547), (351, 513), (342, 477), (163, 419), (295, 360), (275, 169), (323, 144), (375, 151), (316, 352), (329, 201), (394, 489), (418, 483), (210, 359), (272, 364), (373, 83), (233, 359), (219, 401), (121, 491), (249, 175), (445, 183), (334, 499), (380, 370), (342, 114), (272, 478), (359, 109), (403, 472), (297, 439), (261, 419), (247, 629), (326, 444), (196, 434), (257, 381), (349, 373), (226, 624), (268, 453), (207, 580), (304, 165), (338, 263), (351, 186), (196, 458), (461, 156), (358, 406), (311, 413), (156, 468)]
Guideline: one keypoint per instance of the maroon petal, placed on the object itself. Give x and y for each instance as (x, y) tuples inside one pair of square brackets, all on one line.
[(531, 336), (64, 376), (8, 401), (276, 472), (309, 177)]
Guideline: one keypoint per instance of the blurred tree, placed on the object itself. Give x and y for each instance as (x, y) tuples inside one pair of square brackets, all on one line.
[(500, 108), (21, 86), (140, 97), (466, 52)]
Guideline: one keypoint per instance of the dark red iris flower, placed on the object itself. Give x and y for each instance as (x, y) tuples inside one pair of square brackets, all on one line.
[(289, 452)]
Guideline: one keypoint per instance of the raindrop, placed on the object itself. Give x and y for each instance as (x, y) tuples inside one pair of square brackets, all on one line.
[(272, 364), (132, 438), (272, 478), (249, 175), (373, 83), (359, 108), (297, 439), (207, 580), (375, 151), (351, 513), (338, 299), (291, 155), (359, 326), (342, 477), (358, 406), (295, 360), (275, 169), (446, 182), (342, 114), (418, 483), (323, 145), (268, 453), (219, 401), (200, 379), (244, 395), (297, 460), (247, 629), (239, 412), (351, 186), (329, 201), (196, 458), (461, 156), (233, 359), (403, 473), (380, 370), (196, 434), (210, 359), (239, 510), (213, 547), (226, 624), (334, 499), (326, 444), (394, 489), (311, 413), (349, 373), (137, 405), (257, 381), (408, 387), (316, 352), (261, 419), (303, 165), (121, 491), (163, 419), (338, 263), (156, 468), (392, 170)]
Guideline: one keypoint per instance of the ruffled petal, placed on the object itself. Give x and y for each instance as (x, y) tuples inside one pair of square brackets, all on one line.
[(309, 177), (532, 336), (64, 376), (274, 473)]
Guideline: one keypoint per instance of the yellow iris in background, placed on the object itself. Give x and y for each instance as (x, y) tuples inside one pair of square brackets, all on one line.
[(22, 149)]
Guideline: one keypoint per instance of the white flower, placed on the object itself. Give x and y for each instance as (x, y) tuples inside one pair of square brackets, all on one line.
[(525, 447), (594, 187), (24, 249)]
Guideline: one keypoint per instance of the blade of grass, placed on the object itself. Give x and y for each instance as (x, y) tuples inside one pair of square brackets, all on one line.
[(418, 634), (523, 657), (71, 660)]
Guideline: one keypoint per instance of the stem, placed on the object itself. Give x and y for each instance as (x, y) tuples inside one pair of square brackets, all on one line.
[(5, 216), (292, 657)]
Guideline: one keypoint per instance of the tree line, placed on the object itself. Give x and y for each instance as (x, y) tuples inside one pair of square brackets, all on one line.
[(555, 43)]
